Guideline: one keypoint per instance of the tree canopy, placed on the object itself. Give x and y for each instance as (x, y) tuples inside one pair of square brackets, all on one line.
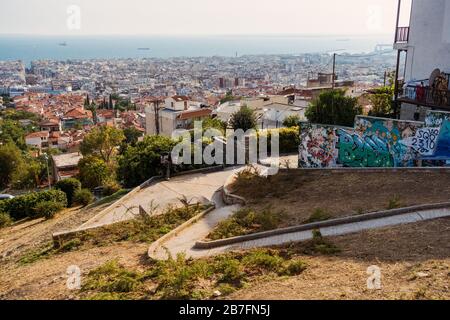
[(244, 119), (333, 108), (102, 142)]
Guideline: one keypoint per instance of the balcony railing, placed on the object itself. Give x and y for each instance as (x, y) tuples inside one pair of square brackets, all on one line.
[(402, 35), (426, 96)]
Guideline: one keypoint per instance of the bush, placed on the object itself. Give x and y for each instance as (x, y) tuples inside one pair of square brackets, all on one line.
[(394, 203), (24, 206), (244, 119), (318, 215), (294, 267), (69, 187), (334, 108), (5, 220), (261, 258), (48, 209), (110, 188), (230, 268), (245, 221), (83, 197), (291, 121), (289, 139)]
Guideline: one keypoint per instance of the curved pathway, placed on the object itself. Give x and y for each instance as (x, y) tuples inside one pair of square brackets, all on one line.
[(184, 241)]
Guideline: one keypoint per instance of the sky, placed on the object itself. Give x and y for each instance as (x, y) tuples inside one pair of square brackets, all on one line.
[(197, 17)]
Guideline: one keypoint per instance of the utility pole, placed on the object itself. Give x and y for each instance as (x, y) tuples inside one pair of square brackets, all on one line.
[(156, 106), (334, 70)]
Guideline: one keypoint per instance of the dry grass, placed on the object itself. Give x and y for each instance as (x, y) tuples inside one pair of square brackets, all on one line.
[(299, 194), (414, 261)]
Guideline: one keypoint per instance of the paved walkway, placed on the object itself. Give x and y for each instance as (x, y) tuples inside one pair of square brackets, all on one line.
[(187, 238), (199, 187)]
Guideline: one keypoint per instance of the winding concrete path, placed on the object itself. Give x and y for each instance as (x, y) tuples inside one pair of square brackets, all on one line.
[(186, 239), (198, 187)]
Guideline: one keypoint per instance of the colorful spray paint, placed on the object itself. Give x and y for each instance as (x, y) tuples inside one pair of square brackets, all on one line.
[(376, 142)]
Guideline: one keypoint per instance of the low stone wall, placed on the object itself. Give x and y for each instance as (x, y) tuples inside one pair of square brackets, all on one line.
[(318, 225), (158, 244)]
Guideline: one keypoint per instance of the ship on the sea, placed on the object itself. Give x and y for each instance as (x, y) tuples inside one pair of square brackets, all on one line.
[(145, 49), (63, 44)]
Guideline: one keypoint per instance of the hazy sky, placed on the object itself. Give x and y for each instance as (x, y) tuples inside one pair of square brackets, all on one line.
[(84, 17)]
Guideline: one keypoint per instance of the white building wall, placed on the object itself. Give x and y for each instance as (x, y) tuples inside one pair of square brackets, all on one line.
[(429, 39)]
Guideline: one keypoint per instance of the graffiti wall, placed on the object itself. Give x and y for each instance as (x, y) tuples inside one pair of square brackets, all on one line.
[(377, 142)]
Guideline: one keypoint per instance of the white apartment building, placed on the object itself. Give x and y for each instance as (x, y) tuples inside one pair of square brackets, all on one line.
[(423, 67), (176, 112)]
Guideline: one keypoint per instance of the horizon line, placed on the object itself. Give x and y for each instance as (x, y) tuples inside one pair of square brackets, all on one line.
[(194, 34)]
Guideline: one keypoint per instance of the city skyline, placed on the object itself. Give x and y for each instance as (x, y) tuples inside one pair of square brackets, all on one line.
[(176, 17)]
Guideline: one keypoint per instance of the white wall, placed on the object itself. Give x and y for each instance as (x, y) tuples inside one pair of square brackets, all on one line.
[(429, 40)]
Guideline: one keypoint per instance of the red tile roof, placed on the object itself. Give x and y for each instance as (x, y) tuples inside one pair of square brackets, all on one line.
[(201, 113)]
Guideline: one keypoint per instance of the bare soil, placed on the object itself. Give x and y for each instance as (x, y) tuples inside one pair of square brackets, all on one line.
[(299, 193), (414, 260)]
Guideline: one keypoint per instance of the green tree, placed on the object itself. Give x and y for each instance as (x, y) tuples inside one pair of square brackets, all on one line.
[(28, 174), (94, 172), (102, 142), (69, 187), (243, 119), (11, 131), (215, 123), (132, 135), (141, 162), (382, 102), (291, 121), (92, 107), (10, 160), (333, 108)]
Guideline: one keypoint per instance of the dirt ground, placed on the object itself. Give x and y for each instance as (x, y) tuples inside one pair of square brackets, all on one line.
[(414, 260), (299, 193)]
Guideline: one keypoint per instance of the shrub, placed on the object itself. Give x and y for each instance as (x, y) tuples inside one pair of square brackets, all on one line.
[(47, 209), (244, 119), (69, 187), (245, 221), (24, 206), (83, 197), (5, 220), (293, 268), (261, 258), (291, 121), (394, 203), (230, 269), (110, 188), (289, 139), (112, 277), (318, 215)]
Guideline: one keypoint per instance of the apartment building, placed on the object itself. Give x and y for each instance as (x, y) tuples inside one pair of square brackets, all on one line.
[(176, 112), (423, 59)]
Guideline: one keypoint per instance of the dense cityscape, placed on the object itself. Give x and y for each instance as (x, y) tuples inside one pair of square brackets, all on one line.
[(310, 176)]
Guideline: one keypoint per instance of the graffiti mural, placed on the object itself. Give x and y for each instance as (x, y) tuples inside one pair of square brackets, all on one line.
[(318, 147), (377, 142), (366, 151)]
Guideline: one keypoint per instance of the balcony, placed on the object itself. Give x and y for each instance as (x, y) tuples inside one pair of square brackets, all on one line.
[(402, 35), (425, 96)]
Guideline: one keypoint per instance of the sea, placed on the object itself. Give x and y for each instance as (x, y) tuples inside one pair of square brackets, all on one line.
[(28, 48)]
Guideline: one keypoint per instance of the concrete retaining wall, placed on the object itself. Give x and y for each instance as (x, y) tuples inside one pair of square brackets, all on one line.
[(318, 225)]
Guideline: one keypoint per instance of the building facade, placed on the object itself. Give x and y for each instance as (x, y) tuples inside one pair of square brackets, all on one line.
[(424, 75)]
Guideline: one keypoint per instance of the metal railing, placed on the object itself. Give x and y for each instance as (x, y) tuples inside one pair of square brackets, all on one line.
[(402, 35), (426, 96)]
